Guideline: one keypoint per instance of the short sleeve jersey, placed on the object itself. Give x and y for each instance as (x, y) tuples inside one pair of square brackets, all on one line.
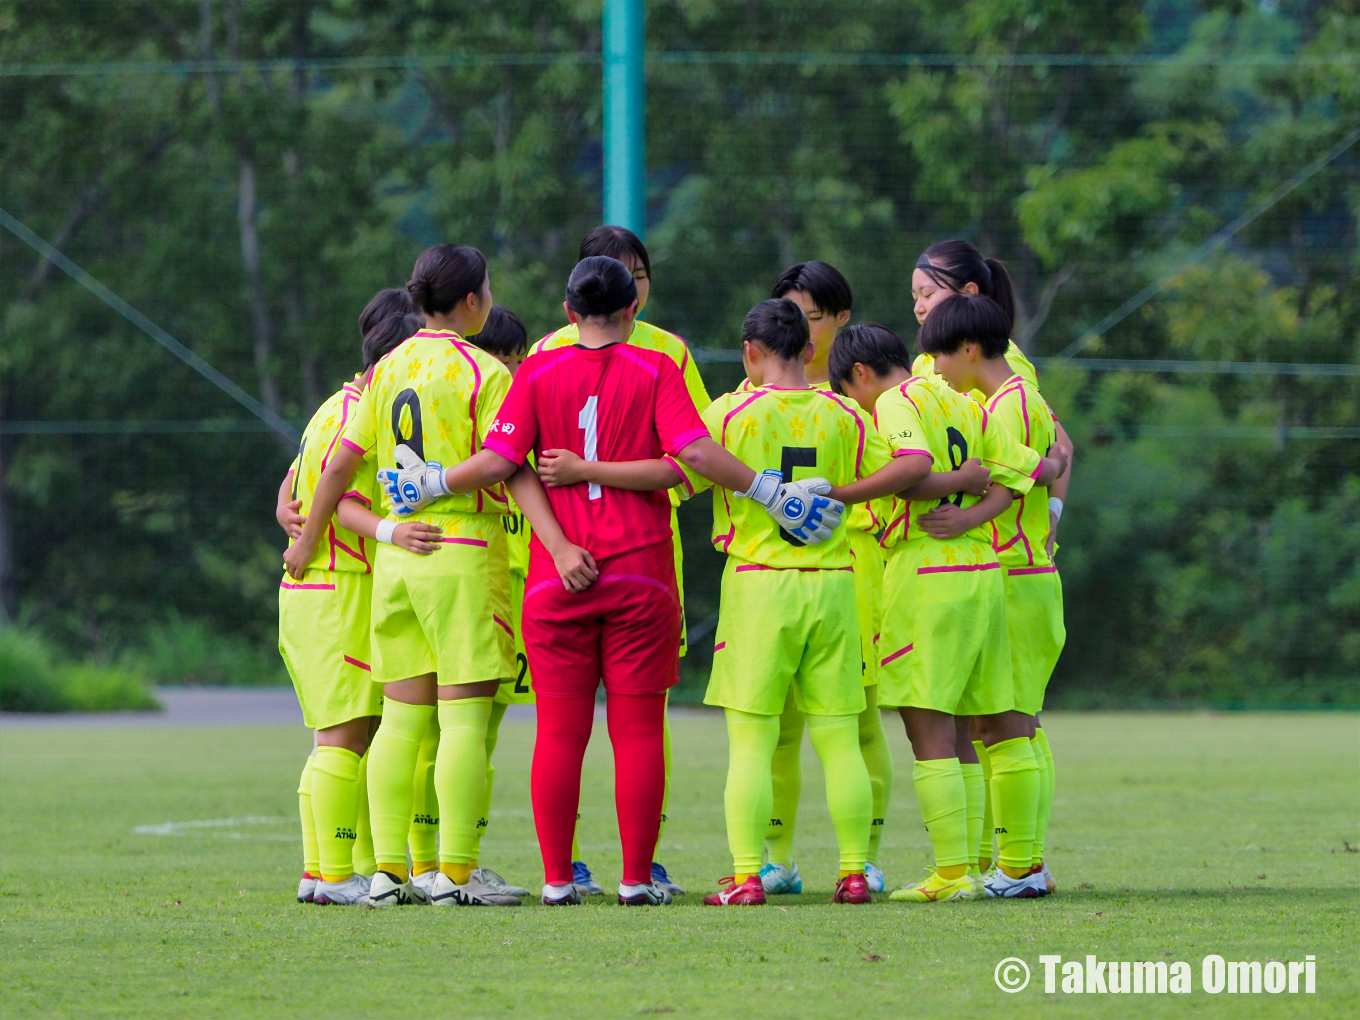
[(342, 549), (924, 365), (648, 337), (808, 433), (437, 394), (615, 403), (1020, 534), (925, 416)]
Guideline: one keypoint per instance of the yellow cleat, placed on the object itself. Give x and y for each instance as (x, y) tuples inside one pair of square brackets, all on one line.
[(934, 889)]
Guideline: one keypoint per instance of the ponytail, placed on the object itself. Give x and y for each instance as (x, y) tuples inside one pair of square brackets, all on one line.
[(955, 264)]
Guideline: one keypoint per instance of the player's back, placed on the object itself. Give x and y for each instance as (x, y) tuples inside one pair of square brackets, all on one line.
[(647, 337), (1020, 534), (437, 394), (804, 433), (342, 549)]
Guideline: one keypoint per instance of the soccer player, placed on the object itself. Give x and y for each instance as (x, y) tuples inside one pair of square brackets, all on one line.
[(1034, 615), (824, 295), (944, 650), (789, 624), (441, 634), (324, 641), (957, 267), (625, 246), (601, 601)]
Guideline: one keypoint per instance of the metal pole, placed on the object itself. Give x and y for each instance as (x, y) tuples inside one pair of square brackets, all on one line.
[(625, 130)]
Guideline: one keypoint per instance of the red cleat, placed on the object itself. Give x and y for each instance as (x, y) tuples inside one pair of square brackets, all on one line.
[(852, 889), (749, 894)]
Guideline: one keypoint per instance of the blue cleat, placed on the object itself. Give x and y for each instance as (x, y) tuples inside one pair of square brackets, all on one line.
[(659, 877), (584, 881), (780, 880), (873, 874)]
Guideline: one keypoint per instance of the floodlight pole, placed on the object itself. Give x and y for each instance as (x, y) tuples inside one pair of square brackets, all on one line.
[(625, 129)]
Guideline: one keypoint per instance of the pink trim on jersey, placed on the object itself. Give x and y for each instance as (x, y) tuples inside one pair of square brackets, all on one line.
[(307, 587), (641, 579), (498, 499), (465, 541), (539, 587), (504, 626), (900, 518), (330, 541), (624, 351), (726, 540), (720, 646), (356, 448), (684, 358), (344, 418), (356, 494), (722, 435), (684, 478), (895, 655), (356, 662), (1018, 571), (499, 446), (356, 555), (762, 566), (876, 637), (564, 354), (958, 567), (461, 348), (904, 452), (685, 438), (859, 454)]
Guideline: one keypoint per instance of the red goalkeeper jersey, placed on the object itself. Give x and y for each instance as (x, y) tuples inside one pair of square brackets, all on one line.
[(614, 403)]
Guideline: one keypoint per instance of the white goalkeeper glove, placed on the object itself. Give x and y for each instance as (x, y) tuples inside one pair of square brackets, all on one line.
[(801, 508), (413, 483)]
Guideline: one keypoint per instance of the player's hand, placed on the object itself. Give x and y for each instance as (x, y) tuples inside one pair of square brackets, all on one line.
[(295, 559), (413, 483), (974, 477), (1052, 534), (1059, 454), (561, 467), (576, 567), (290, 519), (946, 521), (417, 538)]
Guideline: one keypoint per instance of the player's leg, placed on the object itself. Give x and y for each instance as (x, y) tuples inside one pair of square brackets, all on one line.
[(636, 724), (974, 787), (335, 807), (423, 837), (364, 861), (488, 876), (943, 798), (986, 832), (780, 874), (849, 797), (1043, 751), (311, 856), (408, 707), (660, 876), (873, 745), (748, 799)]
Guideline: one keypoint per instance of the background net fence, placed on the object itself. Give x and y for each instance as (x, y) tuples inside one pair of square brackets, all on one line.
[(1173, 185)]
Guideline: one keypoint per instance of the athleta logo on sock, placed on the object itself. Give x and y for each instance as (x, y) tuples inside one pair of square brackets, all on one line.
[(425, 820), (343, 833), (481, 823), (777, 821), (998, 830), (877, 821)]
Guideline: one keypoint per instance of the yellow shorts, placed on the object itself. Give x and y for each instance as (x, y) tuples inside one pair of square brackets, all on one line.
[(868, 599), (323, 638), (782, 629), (520, 689), (447, 613), (1034, 618), (944, 644)]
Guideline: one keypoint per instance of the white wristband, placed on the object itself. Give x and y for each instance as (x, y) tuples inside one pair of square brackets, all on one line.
[(1055, 507), (384, 531)]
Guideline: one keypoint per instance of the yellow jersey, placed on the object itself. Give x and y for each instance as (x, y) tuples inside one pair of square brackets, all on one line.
[(804, 433), (923, 415), (924, 365), (1020, 534), (341, 549), (439, 395)]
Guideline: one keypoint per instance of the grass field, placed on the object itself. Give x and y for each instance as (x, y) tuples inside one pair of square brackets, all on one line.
[(1174, 836)]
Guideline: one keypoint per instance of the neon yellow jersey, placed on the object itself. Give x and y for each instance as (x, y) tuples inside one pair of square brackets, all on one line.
[(439, 395), (805, 434), (924, 365), (341, 549), (652, 338), (517, 532), (925, 416), (1020, 535)]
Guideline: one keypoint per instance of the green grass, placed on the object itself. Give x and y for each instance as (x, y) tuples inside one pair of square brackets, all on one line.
[(1174, 836)]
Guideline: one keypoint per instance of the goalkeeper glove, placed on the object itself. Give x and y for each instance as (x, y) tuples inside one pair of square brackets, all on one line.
[(801, 508), (413, 483)]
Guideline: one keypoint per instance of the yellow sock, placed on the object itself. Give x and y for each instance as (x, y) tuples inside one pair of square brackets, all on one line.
[(943, 801), (986, 835), (364, 863), (397, 871), (311, 854), (456, 873), (460, 778), (1015, 802), (1044, 755), (422, 837), (576, 840), (423, 867), (391, 768), (976, 791), (952, 870), (335, 807), (493, 729), (741, 879)]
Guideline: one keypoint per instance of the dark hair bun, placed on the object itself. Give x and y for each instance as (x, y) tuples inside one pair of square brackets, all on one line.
[(600, 286)]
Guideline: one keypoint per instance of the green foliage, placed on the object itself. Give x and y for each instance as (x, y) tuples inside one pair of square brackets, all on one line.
[(186, 650), (34, 678)]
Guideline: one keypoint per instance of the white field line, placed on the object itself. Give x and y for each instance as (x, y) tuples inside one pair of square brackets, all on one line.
[(186, 828)]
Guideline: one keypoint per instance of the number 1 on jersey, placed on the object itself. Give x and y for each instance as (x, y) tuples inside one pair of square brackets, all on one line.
[(586, 420)]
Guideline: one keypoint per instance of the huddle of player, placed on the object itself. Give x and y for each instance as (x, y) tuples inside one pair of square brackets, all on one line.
[(451, 606)]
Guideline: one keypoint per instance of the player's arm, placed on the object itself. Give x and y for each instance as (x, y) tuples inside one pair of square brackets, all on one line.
[(574, 565), (562, 467), (1058, 488), (334, 483), (288, 510), (949, 521), (972, 477), (412, 536), (705, 457), (897, 475)]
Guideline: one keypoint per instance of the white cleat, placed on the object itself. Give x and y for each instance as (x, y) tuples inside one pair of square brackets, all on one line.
[(472, 893), (385, 891), (1049, 883), (492, 880), (1002, 886), (425, 882), (873, 875), (654, 894), (780, 880), (307, 888), (352, 892), (561, 895)]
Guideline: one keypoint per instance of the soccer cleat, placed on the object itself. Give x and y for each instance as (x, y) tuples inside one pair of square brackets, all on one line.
[(749, 894), (873, 874), (1002, 886), (561, 895), (352, 892), (653, 895), (425, 881), (583, 880), (1049, 883), (779, 880), (494, 881), (852, 889), (934, 889), (659, 877), (471, 893), (385, 891), (307, 887)]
